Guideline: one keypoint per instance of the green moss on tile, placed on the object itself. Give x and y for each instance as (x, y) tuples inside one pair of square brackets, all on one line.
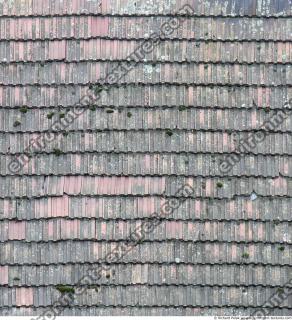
[(129, 114), (16, 123), (182, 108), (92, 108), (109, 111), (219, 184), (50, 115), (65, 289), (61, 115), (169, 132), (57, 152), (98, 89), (281, 248), (245, 255), (23, 109)]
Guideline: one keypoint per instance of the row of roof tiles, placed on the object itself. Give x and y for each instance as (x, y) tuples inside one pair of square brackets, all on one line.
[(195, 251), (179, 118), (56, 73), (62, 229), (143, 295), (179, 51), (265, 8), (149, 95), (143, 311), (149, 164), (145, 141), (38, 186), (160, 274), (117, 208), (142, 27)]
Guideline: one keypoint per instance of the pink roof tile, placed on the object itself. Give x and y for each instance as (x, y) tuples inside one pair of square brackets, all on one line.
[(172, 120)]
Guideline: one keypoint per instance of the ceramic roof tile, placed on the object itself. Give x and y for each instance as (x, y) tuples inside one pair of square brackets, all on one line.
[(150, 164), (145, 296), (241, 208), (265, 8), (166, 51), (150, 95), (143, 311), (126, 274), (60, 73), (147, 141), (63, 229), (84, 27), (201, 251), (172, 120), (179, 119), (39, 186)]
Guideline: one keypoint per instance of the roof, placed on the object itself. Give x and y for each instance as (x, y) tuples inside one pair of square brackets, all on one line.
[(172, 120)]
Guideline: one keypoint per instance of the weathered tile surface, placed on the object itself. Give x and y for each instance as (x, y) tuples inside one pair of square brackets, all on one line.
[(174, 117)]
